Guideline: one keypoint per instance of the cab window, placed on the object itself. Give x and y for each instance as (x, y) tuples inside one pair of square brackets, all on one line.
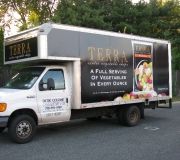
[(52, 80)]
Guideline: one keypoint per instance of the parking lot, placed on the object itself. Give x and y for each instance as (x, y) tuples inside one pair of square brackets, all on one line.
[(157, 137)]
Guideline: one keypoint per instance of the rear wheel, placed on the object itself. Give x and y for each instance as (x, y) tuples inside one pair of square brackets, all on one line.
[(22, 128), (131, 116), (2, 129)]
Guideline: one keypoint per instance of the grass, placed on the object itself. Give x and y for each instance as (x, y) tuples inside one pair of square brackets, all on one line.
[(174, 99)]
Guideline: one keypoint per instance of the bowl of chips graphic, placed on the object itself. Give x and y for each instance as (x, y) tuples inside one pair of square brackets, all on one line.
[(144, 76)]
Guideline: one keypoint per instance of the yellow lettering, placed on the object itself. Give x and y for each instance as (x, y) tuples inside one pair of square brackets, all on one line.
[(28, 48), (23, 51), (14, 50), (19, 49), (91, 50), (116, 55), (124, 60), (108, 55), (100, 54), (11, 50)]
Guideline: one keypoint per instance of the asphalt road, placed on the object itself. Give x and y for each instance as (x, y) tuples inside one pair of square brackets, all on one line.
[(157, 137)]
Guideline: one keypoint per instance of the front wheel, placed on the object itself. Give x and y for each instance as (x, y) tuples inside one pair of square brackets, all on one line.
[(22, 128)]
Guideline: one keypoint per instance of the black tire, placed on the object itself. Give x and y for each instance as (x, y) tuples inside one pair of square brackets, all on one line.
[(2, 129), (22, 129), (131, 116)]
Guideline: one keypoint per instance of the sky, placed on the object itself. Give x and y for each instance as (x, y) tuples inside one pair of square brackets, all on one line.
[(12, 28)]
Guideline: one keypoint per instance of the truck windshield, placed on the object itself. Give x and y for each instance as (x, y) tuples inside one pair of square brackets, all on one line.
[(25, 78)]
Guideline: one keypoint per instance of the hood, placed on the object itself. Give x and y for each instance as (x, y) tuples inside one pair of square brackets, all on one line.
[(6, 93)]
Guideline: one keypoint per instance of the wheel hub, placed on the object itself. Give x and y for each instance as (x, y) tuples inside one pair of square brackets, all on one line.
[(133, 116), (23, 129)]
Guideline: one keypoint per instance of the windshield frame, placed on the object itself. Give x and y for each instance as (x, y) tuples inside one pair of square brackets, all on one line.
[(32, 69)]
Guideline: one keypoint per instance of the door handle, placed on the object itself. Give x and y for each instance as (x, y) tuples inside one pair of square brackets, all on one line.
[(67, 100)]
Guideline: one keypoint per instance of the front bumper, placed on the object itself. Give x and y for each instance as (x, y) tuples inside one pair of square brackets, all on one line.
[(4, 121)]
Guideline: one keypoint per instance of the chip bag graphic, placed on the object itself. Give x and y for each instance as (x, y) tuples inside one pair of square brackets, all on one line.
[(143, 67)]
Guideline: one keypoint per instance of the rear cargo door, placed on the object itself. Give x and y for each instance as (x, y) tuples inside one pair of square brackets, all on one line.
[(53, 97)]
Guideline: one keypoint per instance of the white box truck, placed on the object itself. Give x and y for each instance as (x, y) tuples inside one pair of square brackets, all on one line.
[(72, 72)]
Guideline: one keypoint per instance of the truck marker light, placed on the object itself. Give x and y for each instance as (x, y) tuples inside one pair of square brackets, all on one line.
[(3, 107)]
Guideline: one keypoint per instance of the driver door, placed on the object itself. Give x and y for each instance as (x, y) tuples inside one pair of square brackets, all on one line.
[(53, 98)]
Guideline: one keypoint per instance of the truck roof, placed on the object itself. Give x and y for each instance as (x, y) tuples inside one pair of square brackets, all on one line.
[(48, 26), (58, 42)]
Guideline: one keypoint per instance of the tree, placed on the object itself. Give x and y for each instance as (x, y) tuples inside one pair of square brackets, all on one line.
[(168, 24), (122, 16), (1, 46), (30, 12), (41, 11), (155, 19), (160, 20), (92, 13)]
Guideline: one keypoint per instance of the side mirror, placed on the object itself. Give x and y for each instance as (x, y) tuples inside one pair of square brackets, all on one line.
[(41, 86), (50, 84)]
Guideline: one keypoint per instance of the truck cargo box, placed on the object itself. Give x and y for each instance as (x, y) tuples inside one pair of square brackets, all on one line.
[(109, 68)]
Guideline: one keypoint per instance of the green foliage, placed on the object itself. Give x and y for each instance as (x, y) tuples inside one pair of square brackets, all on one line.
[(84, 13), (31, 12), (154, 19), (1, 47)]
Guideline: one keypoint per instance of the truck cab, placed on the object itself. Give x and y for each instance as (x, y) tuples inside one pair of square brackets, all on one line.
[(41, 91)]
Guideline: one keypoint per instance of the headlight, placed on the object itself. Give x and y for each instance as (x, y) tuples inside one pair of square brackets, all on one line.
[(3, 107)]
